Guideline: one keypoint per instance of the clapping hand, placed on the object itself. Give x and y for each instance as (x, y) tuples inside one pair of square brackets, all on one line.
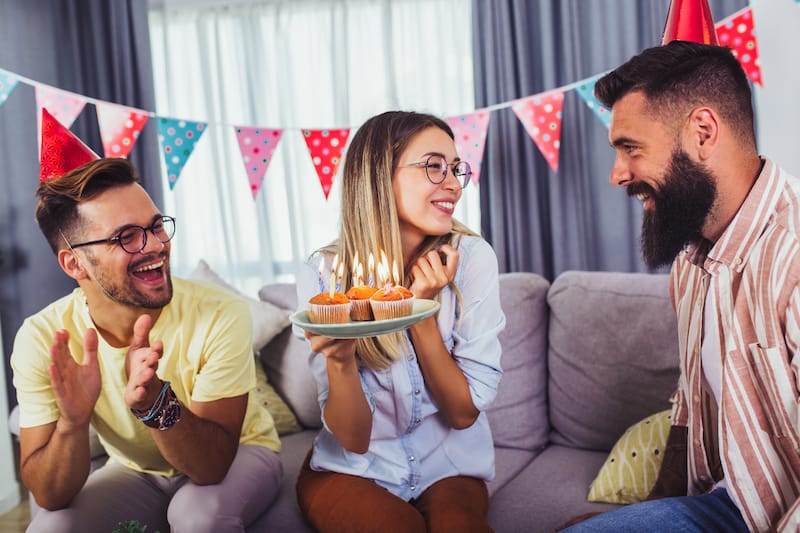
[(141, 364), (76, 386)]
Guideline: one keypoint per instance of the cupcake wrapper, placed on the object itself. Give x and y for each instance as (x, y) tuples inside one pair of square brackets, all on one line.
[(361, 310), (393, 309), (329, 314)]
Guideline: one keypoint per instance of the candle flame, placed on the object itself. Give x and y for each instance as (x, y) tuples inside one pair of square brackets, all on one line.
[(395, 275)]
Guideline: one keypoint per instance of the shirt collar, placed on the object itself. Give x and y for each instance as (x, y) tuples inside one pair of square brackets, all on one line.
[(755, 213)]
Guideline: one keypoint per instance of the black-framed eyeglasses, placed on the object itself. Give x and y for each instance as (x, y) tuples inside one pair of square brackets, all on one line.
[(133, 238), (436, 169)]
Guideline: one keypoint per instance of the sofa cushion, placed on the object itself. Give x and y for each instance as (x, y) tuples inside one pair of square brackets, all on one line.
[(518, 416), (285, 359), (613, 354), (631, 469)]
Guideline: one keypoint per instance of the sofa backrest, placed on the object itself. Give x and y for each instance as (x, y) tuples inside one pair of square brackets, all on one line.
[(613, 354)]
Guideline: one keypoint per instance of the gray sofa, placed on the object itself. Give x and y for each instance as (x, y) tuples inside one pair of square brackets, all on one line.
[(583, 359)]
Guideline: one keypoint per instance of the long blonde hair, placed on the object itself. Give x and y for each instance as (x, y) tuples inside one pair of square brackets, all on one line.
[(367, 198)]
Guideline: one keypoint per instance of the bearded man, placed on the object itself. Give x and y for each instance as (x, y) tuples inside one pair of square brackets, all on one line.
[(682, 129), (160, 367)]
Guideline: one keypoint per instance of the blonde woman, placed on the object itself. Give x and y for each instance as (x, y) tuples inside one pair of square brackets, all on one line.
[(406, 444)]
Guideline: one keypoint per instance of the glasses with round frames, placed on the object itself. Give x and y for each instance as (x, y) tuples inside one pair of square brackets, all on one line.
[(133, 238), (436, 168)]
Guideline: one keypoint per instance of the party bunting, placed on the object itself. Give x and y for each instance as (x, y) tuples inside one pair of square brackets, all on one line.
[(7, 85), (586, 91), (119, 128), (738, 32), (470, 138), (325, 148), (177, 138), (541, 116), (257, 146), (63, 105)]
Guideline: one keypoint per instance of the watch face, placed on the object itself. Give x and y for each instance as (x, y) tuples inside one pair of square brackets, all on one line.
[(171, 414)]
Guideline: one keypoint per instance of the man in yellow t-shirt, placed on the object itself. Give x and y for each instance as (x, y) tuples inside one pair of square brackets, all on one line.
[(161, 368)]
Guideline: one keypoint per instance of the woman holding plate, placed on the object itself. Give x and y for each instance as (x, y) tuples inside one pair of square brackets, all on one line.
[(406, 444)]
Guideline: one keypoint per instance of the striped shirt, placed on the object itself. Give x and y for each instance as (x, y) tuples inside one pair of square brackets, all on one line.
[(752, 437)]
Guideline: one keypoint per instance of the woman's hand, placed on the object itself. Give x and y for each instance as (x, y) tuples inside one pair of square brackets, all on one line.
[(336, 350), (429, 274)]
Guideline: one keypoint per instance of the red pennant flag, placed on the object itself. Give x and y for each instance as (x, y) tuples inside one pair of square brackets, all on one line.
[(257, 146), (738, 32), (325, 148), (61, 150), (119, 128), (62, 105), (541, 116), (470, 138)]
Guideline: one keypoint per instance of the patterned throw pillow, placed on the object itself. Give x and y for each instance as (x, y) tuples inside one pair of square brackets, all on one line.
[(285, 421), (631, 469)]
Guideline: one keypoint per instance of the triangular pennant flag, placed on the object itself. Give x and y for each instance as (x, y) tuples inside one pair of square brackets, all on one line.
[(64, 106), (541, 116), (325, 148), (119, 128), (7, 85), (257, 146), (738, 32), (177, 138), (470, 138), (585, 89)]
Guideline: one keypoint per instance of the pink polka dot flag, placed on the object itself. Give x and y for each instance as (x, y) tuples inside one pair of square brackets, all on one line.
[(541, 116), (7, 84), (119, 128), (470, 138), (257, 146), (325, 148), (63, 105), (177, 138), (738, 32)]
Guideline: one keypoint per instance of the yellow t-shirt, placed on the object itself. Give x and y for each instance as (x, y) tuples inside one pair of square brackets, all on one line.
[(208, 355)]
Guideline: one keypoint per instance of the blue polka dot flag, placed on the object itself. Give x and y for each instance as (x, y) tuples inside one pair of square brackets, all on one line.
[(7, 84), (177, 138), (585, 88)]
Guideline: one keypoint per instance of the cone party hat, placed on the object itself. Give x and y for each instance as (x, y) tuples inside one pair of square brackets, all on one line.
[(62, 151), (690, 20)]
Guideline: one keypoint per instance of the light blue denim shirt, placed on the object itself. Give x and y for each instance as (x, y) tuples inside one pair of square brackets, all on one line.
[(411, 445)]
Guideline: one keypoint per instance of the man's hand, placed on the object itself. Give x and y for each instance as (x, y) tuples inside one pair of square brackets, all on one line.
[(75, 386), (430, 273), (141, 364)]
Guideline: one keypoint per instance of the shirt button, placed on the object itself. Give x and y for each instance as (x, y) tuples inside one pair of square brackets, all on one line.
[(417, 391), (697, 397), (411, 458), (702, 478), (410, 357), (697, 442), (416, 420), (737, 261), (413, 487)]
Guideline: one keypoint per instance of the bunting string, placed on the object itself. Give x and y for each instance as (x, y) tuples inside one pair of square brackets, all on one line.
[(539, 114)]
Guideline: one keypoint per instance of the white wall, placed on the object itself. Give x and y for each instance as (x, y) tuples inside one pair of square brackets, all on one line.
[(777, 23)]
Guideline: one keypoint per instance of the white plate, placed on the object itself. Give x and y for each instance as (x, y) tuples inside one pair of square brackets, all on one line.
[(352, 330)]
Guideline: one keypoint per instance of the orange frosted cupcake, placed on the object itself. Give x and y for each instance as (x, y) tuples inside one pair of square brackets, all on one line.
[(359, 298), (392, 302), (325, 308)]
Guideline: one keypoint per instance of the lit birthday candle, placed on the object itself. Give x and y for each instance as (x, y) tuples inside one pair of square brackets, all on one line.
[(319, 275), (355, 271), (339, 275), (332, 284), (371, 270), (395, 275)]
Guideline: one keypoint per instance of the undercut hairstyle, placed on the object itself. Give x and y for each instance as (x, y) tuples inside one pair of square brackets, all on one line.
[(680, 76), (369, 220), (57, 209)]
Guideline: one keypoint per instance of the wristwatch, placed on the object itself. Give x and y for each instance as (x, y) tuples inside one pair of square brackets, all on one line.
[(169, 413)]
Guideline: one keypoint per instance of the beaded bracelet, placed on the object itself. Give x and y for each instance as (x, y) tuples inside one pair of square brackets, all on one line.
[(155, 409)]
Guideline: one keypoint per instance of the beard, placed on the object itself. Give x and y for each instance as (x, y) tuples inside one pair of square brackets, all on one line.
[(679, 209), (126, 293)]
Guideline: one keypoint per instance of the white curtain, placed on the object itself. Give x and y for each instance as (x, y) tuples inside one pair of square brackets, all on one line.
[(292, 65)]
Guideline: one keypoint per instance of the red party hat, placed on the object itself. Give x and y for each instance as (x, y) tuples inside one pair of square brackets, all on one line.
[(62, 151), (690, 20)]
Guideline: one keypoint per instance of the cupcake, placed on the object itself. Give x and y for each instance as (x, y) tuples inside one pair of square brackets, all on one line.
[(392, 302), (329, 308), (359, 298)]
